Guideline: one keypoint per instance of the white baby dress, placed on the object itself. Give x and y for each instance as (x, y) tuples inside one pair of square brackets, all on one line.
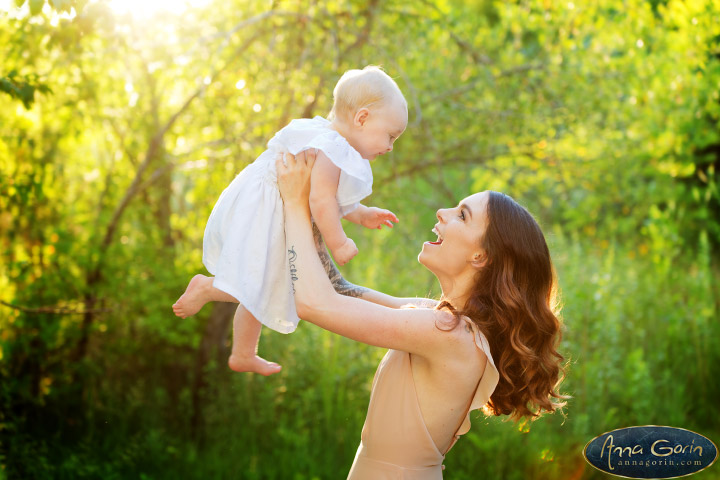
[(244, 242)]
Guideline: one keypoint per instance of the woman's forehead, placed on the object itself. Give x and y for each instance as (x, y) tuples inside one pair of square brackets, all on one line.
[(477, 201), (476, 205)]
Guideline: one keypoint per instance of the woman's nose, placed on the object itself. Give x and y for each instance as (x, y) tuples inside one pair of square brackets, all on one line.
[(440, 214)]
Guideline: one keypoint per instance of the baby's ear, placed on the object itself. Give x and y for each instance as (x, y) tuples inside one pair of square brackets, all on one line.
[(361, 116)]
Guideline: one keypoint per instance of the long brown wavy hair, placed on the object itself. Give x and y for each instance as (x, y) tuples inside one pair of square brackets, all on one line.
[(514, 303)]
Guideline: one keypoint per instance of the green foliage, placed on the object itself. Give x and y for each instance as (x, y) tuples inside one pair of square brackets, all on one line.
[(602, 119), (36, 6), (22, 87)]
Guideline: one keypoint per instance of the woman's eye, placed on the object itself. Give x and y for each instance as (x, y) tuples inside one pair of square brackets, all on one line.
[(462, 215)]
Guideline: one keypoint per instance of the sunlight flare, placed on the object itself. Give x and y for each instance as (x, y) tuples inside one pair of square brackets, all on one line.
[(145, 9)]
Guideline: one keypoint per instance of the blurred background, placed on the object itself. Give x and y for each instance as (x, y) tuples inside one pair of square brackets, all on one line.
[(121, 122)]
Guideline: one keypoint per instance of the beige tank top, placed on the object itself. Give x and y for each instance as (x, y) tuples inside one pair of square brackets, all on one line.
[(395, 442)]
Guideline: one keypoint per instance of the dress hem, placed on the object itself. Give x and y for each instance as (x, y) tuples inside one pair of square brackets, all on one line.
[(220, 285)]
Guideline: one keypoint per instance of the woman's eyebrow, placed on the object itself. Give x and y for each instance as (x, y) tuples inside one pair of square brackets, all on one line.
[(463, 205)]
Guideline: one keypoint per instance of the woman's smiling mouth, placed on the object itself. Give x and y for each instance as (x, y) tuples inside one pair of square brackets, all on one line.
[(439, 239)]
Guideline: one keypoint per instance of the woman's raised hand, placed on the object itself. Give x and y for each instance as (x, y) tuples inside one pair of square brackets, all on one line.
[(293, 176)]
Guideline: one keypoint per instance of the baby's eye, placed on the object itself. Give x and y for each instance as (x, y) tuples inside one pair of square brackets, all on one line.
[(462, 215)]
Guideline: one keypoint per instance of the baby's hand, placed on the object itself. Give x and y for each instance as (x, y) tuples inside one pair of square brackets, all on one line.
[(345, 253), (377, 217)]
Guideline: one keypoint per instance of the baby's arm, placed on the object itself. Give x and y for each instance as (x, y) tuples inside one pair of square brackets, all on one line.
[(325, 211), (371, 217)]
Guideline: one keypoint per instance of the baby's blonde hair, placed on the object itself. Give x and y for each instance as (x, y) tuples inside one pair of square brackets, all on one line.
[(369, 87)]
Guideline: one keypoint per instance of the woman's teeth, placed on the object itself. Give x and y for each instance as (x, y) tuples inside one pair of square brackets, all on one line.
[(439, 239)]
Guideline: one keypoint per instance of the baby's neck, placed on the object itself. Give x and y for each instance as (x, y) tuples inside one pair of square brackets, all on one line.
[(345, 130)]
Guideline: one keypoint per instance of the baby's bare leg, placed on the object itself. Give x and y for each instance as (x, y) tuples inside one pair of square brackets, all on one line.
[(246, 334), (199, 291)]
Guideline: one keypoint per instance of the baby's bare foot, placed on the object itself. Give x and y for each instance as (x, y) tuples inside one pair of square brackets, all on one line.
[(253, 364), (195, 296)]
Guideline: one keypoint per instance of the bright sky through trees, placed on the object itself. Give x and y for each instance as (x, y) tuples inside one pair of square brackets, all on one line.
[(138, 8), (144, 8)]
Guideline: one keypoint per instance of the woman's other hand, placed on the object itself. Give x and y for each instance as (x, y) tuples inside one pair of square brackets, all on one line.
[(293, 176)]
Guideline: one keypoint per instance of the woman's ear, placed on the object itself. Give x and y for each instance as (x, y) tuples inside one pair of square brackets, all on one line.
[(361, 116), (479, 260)]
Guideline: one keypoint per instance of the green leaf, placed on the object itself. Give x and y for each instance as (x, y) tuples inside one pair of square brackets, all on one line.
[(61, 5), (36, 6)]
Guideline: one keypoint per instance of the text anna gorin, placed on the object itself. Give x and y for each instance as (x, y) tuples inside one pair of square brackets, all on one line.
[(651, 452)]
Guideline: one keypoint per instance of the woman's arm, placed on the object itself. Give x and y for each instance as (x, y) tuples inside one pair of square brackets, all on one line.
[(411, 330), (343, 287)]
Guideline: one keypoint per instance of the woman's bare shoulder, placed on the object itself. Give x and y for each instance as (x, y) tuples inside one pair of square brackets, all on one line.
[(454, 339), (456, 364)]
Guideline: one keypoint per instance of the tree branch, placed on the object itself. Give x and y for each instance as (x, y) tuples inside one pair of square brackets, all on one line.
[(470, 85), (361, 39), (155, 144), (53, 310), (413, 94), (417, 168), (479, 58)]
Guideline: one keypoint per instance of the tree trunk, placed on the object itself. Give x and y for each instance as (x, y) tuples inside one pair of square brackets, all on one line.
[(213, 342)]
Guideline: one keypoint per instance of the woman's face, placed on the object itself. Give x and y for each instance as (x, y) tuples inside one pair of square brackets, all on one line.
[(459, 230)]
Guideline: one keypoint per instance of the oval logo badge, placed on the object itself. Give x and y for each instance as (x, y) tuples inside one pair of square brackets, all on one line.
[(650, 452)]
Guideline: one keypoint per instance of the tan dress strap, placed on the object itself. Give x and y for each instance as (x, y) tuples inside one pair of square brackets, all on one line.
[(486, 385)]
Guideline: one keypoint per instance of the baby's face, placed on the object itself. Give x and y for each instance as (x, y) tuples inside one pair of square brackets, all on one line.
[(380, 130)]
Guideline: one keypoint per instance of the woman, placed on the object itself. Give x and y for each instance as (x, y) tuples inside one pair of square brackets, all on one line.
[(489, 343)]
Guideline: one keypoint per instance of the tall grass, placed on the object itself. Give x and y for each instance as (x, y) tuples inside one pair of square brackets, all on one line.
[(641, 338)]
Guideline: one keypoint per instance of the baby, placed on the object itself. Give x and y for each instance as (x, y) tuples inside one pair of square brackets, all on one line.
[(244, 243)]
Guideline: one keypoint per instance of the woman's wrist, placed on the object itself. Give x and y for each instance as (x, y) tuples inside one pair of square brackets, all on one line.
[(297, 206)]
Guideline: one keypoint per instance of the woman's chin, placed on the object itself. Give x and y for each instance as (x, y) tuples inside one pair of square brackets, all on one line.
[(424, 259)]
